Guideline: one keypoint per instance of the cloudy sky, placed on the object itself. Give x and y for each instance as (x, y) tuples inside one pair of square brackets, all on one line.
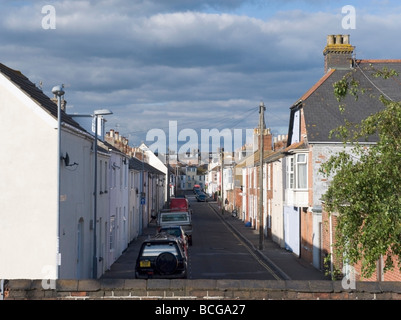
[(198, 64)]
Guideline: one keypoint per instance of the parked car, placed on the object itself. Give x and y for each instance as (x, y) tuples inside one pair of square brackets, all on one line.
[(201, 197), (177, 231), (161, 256), (179, 204), (176, 218), (196, 188)]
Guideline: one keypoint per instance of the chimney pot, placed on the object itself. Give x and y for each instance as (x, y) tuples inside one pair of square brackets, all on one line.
[(63, 102), (339, 39), (330, 40)]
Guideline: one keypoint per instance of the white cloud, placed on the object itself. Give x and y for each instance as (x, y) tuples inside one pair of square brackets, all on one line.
[(155, 61)]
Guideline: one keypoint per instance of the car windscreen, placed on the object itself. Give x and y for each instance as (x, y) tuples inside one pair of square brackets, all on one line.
[(154, 249)]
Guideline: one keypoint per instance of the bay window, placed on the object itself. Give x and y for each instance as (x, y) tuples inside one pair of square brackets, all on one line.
[(297, 171)]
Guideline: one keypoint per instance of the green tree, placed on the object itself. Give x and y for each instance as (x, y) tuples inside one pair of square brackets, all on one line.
[(365, 184)]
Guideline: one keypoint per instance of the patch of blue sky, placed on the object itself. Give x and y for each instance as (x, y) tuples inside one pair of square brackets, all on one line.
[(265, 9)]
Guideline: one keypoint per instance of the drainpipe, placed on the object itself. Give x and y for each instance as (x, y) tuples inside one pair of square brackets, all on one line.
[(331, 244)]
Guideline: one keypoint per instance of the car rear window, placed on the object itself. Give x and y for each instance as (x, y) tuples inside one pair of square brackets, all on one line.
[(154, 249), (173, 232), (174, 217)]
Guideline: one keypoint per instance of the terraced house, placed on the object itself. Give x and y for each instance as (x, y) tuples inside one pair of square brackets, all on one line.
[(293, 211), (312, 118), (50, 227)]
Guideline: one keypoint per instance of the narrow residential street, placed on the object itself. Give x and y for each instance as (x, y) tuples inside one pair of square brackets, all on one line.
[(224, 248), (218, 253)]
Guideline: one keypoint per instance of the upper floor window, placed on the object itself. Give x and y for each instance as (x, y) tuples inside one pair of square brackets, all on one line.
[(302, 172), (297, 171)]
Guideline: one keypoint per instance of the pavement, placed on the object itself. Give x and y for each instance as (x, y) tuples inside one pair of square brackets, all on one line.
[(286, 264)]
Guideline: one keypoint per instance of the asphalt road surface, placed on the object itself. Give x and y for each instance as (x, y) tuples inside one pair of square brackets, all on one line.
[(217, 252)]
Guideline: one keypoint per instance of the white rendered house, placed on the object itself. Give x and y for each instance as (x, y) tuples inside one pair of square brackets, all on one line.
[(37, 240)]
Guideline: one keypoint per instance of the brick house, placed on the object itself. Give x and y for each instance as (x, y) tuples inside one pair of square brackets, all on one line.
[(247, 175), (312, 118)]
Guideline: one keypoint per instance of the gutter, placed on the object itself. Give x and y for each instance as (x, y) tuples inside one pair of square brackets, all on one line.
[(77, 131)]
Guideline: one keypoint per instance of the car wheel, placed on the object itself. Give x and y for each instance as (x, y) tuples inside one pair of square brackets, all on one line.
[(166, 263)]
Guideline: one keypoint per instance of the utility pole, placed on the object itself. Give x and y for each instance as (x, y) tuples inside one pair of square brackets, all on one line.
[(168, 176), (222, 181), (261, 129)]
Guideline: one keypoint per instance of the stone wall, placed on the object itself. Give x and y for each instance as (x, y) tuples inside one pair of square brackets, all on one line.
[(163, 289)]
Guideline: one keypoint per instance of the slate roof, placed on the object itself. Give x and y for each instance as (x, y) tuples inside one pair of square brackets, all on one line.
[(321, 108), (37, 95), (136, 164)]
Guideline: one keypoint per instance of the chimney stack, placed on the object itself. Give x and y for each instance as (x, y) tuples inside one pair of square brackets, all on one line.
[(338, 53), (63, 102), (267, 139)]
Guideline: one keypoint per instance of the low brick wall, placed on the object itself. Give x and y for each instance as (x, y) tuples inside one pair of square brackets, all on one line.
[(163, 289)]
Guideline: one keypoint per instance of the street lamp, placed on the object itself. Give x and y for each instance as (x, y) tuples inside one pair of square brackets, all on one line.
[(58, 92), (96, 114)]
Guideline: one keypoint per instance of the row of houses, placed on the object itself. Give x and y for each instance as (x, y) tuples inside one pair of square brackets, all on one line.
[(293, 212), (67, 214)]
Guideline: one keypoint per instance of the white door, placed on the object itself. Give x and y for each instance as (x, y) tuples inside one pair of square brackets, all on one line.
[(291, 229)]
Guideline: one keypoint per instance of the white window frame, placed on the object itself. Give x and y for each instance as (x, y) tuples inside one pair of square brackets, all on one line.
[(304, 171), (296, 166), (290, 172)]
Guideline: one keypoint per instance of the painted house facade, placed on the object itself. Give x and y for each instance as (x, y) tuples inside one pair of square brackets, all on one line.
[(50, 234), (312, 118), (293, 211), (37, 240)]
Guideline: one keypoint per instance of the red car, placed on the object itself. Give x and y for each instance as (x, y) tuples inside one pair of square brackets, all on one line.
[(180, 204)]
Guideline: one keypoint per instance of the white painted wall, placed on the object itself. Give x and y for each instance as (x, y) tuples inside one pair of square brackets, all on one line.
[(277, 204), (28, 187), (76, 206), (156, 163), (119, 205)]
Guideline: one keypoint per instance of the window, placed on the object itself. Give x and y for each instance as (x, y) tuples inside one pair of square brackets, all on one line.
[(290, 172), (114, 176), (131, 179), (297, 171), (153, 250), (125, 168), (105, 176), (121, 173), (254, 178), (112, 233), (302, 172), (101, 176)]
